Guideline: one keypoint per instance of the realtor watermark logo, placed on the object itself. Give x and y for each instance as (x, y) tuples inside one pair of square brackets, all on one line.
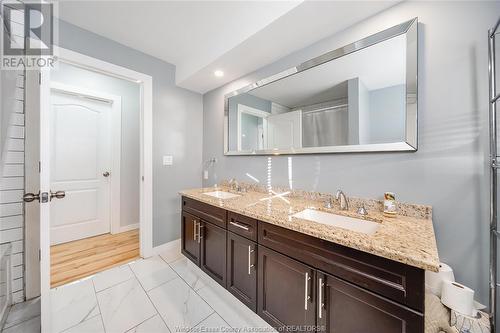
[(28, 35)]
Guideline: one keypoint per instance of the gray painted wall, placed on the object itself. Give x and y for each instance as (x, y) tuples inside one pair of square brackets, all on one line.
[(387, 114), (449, 171), (177, 124), (130, 130)]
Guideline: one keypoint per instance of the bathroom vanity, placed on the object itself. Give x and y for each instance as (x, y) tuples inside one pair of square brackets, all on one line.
[(300, 273)]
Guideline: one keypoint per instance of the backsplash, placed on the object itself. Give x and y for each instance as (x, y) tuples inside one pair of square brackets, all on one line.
[(405, 209)]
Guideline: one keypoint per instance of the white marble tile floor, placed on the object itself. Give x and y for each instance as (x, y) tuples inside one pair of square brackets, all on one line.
[(162, 294)]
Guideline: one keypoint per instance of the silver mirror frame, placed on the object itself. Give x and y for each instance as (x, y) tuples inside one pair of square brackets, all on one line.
[(410, 28)]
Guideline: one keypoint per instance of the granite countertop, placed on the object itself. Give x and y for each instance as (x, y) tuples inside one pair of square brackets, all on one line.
[(407, 239)]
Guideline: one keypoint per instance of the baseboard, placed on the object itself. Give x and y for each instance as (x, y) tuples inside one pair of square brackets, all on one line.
[(128, 227), (167, 246)]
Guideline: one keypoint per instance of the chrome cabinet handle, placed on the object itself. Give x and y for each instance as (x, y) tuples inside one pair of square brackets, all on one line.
[(199, 232), (250, 251), (241, 226), (194, 230), (320, 298), (306, 291)]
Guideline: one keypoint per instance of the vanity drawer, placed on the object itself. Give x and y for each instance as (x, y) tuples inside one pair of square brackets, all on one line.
[(205, 211), (242, 225), (394, 280)]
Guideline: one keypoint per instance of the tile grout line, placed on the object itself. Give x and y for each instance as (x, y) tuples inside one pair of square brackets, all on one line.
[(113, 285), (189, 286), (67, 329), (20, 323), (196, 292), (206, 285), (157, 312), (97, 301)]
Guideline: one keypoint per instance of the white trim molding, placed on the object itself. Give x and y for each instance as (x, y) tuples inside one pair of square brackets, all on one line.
[(175, 244), (129, 227)]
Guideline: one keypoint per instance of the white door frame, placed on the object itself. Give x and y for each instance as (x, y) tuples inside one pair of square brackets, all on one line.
[(242, 108), (146, 168), (115, 143)]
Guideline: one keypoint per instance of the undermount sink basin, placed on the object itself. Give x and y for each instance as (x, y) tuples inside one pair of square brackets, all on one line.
[(221, 194), (345, 222)]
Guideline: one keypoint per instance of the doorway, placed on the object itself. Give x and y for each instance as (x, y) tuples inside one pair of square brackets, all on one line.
[(94, 127), (86, 140), (87, 232), (77, 167)]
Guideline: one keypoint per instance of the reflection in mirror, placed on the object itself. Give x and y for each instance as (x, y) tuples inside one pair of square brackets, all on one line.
[(360, 99)]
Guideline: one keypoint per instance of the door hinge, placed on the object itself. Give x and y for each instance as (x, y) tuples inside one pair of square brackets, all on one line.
[(142, 178), (39, 255), (39, 167), (39, 78)]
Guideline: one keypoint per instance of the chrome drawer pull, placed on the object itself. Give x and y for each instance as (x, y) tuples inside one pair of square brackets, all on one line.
[(320, 298), (250, 251), (306, 291), (199, 232), (195, 225), (241, 226)]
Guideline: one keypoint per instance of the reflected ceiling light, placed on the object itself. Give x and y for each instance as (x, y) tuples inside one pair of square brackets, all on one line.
[(218, 73), (274, 195), (252, 178)]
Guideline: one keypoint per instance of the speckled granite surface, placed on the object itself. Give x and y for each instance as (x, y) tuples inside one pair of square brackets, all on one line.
[(407, 239)]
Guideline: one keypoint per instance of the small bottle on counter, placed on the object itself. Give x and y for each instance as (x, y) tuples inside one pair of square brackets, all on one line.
[(390, 207)]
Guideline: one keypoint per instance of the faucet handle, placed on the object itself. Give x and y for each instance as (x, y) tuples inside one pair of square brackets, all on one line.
[(362, 210), (328, 203)]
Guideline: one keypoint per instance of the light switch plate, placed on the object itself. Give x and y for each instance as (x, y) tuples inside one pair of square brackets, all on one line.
[(168, 160)]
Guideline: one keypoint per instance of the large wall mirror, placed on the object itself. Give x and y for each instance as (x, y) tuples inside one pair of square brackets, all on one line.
[(359, 98)]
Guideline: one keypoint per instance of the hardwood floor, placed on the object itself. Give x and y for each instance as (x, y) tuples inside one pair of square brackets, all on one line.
[(75, 260)]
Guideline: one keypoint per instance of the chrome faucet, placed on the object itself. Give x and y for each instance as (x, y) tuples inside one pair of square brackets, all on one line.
[(341, 197), (233, 183)]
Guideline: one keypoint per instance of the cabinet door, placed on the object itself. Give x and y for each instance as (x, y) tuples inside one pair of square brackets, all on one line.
[(285, 291), (190, 246), (241, 269), (346, 308), (213, 251)]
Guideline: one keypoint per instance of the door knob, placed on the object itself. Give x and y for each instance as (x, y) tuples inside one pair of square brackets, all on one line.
[(57, 195), (29, 197), (106, 174)]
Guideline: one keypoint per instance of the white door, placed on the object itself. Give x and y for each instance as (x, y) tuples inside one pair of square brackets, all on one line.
[(80, 142), (285, 130)]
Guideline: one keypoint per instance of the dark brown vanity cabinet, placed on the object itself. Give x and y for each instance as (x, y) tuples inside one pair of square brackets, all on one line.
[(346, 308), (190, 244), (204, 236), (242, 269), (298, 282), (286, 291), (213, 251)]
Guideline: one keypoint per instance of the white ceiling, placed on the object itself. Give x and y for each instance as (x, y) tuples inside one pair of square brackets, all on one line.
[(199, 37)]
